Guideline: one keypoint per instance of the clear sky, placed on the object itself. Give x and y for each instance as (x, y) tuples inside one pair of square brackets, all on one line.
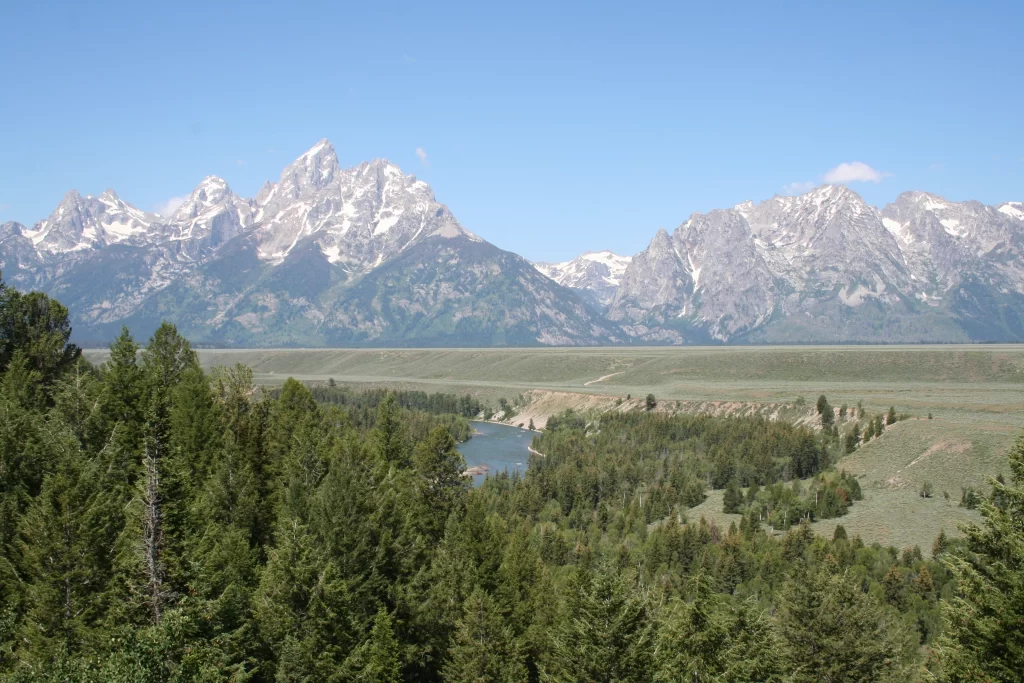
[(548, 128)]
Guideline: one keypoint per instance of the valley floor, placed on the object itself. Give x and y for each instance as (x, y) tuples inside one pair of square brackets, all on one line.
[(974, 393)]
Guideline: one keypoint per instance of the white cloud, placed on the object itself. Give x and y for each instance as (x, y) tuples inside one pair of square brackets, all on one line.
[(170, 206), (854, 172), (799, 187), (422, 154)]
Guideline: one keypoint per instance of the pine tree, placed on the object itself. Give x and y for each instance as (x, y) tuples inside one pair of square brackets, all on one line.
[(294, 406), (121, 413), (603, 632), (890, 419), (65, 542), (693, 639), (483, 647), (40, 328), (389, 435), (732, 499), (439, 466), (837, 633), (755, 651), (984, 635), (523, 592), (924, 584), (825, 411), (378, 660), (852, 438), (301, 606), (895, 587)]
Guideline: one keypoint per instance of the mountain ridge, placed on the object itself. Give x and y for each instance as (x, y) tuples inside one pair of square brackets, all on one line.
[(366, 255)]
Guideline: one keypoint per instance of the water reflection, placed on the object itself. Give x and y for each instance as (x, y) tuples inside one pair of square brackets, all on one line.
[(495, 448)]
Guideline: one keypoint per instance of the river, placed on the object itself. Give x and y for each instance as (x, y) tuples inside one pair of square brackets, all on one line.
[(499, 447)]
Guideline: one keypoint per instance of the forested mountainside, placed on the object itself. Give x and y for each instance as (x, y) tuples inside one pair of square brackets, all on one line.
[(163, 523), (367, 256)]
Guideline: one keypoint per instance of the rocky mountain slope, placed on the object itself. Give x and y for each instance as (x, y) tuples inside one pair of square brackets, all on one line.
[(366, 256), (596, 274), (324, 256), (827, 267)]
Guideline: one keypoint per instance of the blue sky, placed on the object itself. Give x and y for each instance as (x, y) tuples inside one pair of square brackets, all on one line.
[(548, 128)]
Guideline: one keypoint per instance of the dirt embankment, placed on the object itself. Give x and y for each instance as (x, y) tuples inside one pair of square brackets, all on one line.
[(541, 404)]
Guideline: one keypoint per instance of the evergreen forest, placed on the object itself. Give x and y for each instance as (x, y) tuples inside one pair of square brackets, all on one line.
[(162, 522)]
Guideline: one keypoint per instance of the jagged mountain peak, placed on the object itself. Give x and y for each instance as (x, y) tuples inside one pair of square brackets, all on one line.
[(314, 169), (330, 248), (71, 198), (662, 240), (11, 229), (595, 274), (926, 201), (212, 191)]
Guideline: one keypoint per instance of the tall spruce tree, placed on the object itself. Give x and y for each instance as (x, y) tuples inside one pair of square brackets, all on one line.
[(984, 635), (837, 633), (692, 639), (484, 648), (65, 541), (603, 632)]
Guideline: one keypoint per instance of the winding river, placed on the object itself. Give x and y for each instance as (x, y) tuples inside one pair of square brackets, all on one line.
[(497, 447)]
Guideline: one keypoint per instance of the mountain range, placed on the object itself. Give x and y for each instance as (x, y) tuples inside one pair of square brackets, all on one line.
[(366, 256)]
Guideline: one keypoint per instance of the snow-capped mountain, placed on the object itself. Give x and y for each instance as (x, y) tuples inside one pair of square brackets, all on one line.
[(367, 256), (825, 266), (358, 217), (326, 255), (595, 274)]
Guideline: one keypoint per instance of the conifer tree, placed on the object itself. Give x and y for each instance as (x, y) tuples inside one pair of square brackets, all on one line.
[(837, 633), (603, 632), (693, 639), (378, 660), (40, 328), (984, 635), (825, 411), (483, 647), (65, 542), (755, 651), (439, 466), (389, 435), (732, 499)]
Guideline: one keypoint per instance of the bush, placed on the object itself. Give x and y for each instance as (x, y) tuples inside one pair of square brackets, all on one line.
[(651, 402), (926, 490)]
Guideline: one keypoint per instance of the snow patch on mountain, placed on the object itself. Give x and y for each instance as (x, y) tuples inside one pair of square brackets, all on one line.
[(595, 273)]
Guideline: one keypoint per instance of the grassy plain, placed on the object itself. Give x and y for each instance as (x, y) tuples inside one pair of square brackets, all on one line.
[(975, 393)]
